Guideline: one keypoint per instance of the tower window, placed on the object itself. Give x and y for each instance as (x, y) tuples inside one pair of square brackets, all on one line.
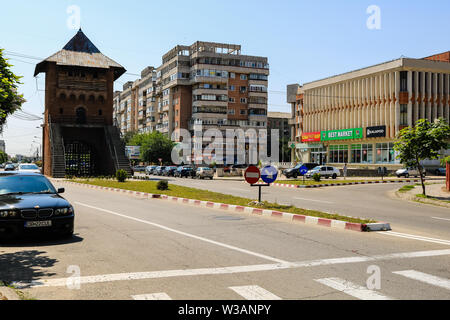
[(100, 112), (61, 110)]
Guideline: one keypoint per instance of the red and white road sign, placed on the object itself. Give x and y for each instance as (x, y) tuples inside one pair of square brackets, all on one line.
[(252, 175)]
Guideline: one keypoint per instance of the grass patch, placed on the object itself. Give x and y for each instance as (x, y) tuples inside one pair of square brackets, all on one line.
[(205, 195), (406, 188), (420, 195)]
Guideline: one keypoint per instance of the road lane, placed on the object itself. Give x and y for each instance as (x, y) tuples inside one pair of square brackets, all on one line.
[(108, 245)]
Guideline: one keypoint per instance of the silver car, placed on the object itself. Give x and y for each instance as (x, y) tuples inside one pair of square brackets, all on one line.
[(204, 172)]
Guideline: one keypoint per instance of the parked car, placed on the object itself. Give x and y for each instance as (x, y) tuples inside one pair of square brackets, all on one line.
[(408, 172), (159, 170), (324, 171), (169, 171), (440, 172), (185, 172), (10, 167), (150, 169), (29, 203), (28, 167), (139, 168), (295, 172), (204, 172)]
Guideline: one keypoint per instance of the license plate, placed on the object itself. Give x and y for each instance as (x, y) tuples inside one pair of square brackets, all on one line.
[(38, 224)]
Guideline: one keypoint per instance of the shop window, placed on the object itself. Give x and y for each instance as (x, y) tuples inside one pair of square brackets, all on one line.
[(339, 154), (385, 153), (362, 153)]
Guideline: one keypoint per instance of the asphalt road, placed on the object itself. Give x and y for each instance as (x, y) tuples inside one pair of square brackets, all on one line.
[(128, 248), (375, 201)]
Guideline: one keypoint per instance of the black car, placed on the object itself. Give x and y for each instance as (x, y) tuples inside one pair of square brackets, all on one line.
[(295, 172), (185, 172), (10, 167), (159, 171), (169, 171), (29, 203)]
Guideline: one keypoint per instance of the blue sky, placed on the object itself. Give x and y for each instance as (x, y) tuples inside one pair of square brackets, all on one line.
[(304, 40)]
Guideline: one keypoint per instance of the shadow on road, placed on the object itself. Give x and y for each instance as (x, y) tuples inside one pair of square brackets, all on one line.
[(25, 265), (38, 241)]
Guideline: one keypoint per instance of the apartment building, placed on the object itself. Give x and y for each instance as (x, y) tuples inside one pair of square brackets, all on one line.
[(354, 117), (207, 83), (280, 121), (2, 146)]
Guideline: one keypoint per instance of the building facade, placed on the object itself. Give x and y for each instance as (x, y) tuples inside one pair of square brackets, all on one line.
[(207, 83), (280, 121), (2, 146), (354, 117)]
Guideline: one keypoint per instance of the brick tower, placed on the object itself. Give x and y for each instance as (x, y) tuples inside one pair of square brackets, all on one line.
[(79, 137)]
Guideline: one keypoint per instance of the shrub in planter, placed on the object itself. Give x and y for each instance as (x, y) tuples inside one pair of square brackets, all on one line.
[(316, 177), (121, 175), (162, 185)]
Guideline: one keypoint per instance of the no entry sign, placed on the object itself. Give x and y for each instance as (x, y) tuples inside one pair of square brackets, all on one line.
[(252, 175)]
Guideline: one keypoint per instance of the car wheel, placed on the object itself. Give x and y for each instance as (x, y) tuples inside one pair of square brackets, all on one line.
[(295, 175), (334, 176), (407, 175)]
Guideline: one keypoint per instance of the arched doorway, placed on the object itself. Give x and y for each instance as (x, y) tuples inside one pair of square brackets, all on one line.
[(79, 159), (81, 115)]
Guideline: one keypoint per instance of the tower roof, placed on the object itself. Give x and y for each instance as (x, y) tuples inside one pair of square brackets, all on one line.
[(81, 52)]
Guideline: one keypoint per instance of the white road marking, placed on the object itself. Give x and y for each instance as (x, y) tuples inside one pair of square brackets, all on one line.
[(254, 293), (427, 278), (152, 296), (352, 289), (414, 237), (61, 282), (313, 200), (187, 234), (441, 218)]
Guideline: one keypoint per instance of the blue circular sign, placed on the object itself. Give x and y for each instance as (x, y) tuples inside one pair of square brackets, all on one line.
[(303, 170), (269, 174)]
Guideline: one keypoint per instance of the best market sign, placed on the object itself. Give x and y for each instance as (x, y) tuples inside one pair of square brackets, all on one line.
[(347, 134)]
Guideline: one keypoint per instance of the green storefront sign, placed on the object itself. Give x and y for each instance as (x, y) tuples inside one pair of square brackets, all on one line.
[(347, 134)]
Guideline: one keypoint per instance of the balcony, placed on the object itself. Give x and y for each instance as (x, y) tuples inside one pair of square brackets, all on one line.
[(208, 103)]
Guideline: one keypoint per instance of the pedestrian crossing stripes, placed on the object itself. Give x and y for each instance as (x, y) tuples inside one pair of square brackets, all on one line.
[(426, 278), (352, 289), (152, 296), (254, 293)]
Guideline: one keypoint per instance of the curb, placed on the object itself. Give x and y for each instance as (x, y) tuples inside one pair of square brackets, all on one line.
[(287, 217), (295, 186)]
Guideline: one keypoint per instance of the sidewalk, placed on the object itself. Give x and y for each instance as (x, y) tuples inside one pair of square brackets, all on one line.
[(436, 195)]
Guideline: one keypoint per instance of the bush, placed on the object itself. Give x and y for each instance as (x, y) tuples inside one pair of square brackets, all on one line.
[(121, 175), (316, 177), (162, 185)]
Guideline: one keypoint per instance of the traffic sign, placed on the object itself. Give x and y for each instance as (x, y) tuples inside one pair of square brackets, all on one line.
[(303, 170), (269, 174), (252, 175)]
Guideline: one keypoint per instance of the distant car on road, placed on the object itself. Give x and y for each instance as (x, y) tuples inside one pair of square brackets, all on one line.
[(186, 172), (295, 172), (28, 167), (150, 169), (440, 171), (10, 167), (204, 172), (324, 171), (159, 170), (139, 168), (29, 203), (169, 171), (408, 172)]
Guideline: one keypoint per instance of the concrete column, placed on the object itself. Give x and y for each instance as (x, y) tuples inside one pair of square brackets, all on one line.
[(410, 106), (397, 101), (416, 91), (423, 103), (447, 98), (429, 105), (434, 98), (441, 96)]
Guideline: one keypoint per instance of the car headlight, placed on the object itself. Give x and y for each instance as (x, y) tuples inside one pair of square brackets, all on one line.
[(63, 211), (8, 213)]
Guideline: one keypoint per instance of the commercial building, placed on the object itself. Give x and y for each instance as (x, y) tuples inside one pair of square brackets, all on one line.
[(354, 117), (207, 83)]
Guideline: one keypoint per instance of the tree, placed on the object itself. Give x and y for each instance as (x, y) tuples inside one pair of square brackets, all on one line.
[(3, 157), (424, 141), (154, 146), (128, 136), (10, 100)]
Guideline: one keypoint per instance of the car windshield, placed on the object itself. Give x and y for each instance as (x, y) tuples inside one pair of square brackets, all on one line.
[(298, 166), (28, 167), (316, 168), (17, 184)]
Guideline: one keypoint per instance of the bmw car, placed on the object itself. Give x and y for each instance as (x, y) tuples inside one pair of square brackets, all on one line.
[(29, 203)]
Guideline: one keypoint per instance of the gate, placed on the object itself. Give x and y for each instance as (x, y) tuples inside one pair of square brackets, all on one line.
[(79, 159)]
